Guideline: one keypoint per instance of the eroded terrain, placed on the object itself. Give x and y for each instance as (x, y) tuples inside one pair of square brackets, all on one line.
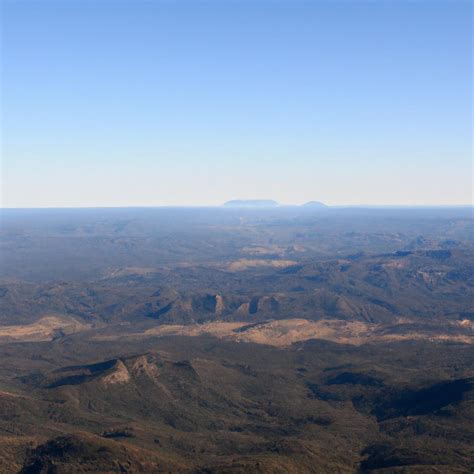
[(280, 340)]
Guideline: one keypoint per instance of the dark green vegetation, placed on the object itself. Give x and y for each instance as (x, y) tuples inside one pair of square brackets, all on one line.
[(83, 387)]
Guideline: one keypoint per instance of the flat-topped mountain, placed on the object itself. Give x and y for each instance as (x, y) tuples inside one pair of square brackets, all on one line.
[(263, 203), (315, 204), (251, 203)]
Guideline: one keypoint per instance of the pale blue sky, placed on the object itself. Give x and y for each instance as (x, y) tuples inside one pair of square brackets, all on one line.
[(112, 103)]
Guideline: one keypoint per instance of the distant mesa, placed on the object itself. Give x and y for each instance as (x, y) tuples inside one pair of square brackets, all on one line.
[(264, 203), (315, 204), (251, 203)]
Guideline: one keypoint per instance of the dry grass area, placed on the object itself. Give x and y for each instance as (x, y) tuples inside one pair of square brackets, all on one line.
[(44, 329), (264, 250), (246, 263), (286, 332), (127, 271), (279, 250), (282, 333), (279, 333)]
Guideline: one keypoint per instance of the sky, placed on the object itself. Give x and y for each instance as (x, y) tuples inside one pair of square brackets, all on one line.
[(150, 103)]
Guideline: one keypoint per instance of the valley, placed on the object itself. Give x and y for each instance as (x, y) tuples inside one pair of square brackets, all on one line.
[(237, 340)]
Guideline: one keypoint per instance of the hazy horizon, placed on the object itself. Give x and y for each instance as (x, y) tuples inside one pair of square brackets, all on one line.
[(279, 205), (131, 104)]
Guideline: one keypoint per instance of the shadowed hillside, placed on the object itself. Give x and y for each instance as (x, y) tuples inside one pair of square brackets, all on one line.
[(237, 340)]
